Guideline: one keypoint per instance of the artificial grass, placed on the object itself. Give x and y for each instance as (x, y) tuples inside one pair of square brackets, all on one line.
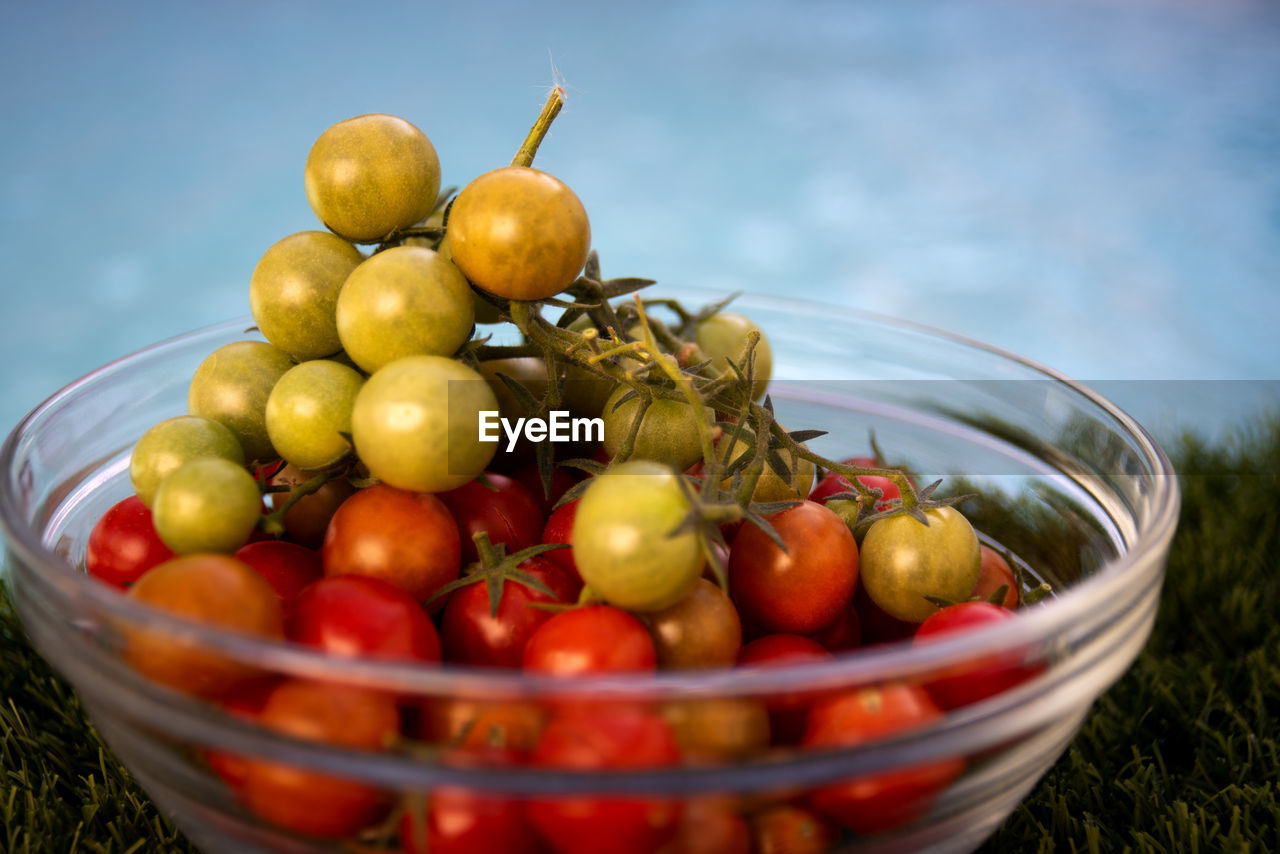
[(1181, 755)]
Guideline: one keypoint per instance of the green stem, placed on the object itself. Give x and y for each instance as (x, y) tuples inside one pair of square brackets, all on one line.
[(529, 148)]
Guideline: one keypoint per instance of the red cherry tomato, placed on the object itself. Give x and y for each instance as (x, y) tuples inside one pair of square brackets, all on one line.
[(407, 538), (881, 801), (877, 626), (562, 480), (474, 635), (124, 544), (591, 639), (247, 704), (786, 712), (799, 590), (833, 483), (710, 826), (503, 509), (305, 801), (456, 820), (559, 529), (984, 677), (842, 634), (359, 616), (287, 567), (791, 829), (613, 737), (993, 573)]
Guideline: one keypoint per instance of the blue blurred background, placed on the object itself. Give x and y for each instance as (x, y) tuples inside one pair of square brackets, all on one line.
[(1094, 185)]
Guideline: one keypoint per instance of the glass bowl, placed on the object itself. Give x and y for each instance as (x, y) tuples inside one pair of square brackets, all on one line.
[(1066, 481)]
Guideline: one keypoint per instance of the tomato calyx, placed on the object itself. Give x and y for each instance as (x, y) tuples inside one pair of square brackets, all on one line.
[(495, 568), (913, 506)]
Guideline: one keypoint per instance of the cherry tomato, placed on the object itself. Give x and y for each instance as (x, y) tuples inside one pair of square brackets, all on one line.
[(723, 339), (213, 589), (306, 801), (905, 560), (710, 826), (407, 538), (124, 544), (247, 704), (559, 529), (842, 634), (615, 737), (591, 639), (982, 678), (626, 540), (502, 508), (786, 711), (993, 573), (832, 483), (474, 635), (308, 518), (886, 800), (513, 724), (877, 626), (287, 567), (362, 616), (458, 820), (792, 829), (803, 588), (562, 480), (519, 233), (701, 630), (719, 729)]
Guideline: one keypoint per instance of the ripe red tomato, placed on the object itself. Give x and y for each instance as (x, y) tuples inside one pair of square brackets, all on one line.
[(799, 590), (833, 483), (476, 636), (792, 829), (407, 538), (305, 801), (504, 510), (842, 634), (591, 639), (881, 801), (710, 826), (559, 529), (993, 573), (456, 820), (982, 678), (877, 626), (360, 616), (513, 724), (287, 567), (613, 737), (787, 712), (562, 480), (124, 544), (247, 704)]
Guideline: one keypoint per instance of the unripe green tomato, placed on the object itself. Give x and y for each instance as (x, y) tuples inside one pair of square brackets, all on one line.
[(308, 411), (371, 175), (902, 561), (772, 486), (668, 431), (406, 301), (722, 338), (519, 233), (623, 540), (231, 387), (207, 505), (175, 441), (416, 423), (293, 292)]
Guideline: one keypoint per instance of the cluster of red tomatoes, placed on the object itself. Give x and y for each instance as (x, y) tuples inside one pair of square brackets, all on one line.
[(410, 544)]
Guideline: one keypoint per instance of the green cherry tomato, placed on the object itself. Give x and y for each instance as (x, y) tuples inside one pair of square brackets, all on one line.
[(406, 301), (904, 560), (371, 175), (723, 338), (175, 441), (293, 292), (231, 387), (624, 541), (772, 486), (668, 430), (207, 505), (416, 423), (308, 411), (519, 233)]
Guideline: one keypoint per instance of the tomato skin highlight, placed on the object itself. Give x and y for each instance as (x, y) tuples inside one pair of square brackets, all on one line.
[(802, 589), (124, 544), (882, 801)]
